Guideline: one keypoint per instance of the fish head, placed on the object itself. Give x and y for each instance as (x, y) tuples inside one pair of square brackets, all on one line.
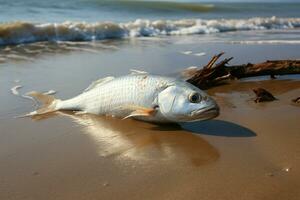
[(183, 102)]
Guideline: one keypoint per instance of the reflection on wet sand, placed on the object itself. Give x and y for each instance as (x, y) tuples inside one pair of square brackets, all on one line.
[(135, 140)]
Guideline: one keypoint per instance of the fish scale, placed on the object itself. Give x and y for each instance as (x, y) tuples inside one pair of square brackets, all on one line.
[(139, 90)]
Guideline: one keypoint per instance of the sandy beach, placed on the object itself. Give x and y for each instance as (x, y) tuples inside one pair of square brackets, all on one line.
[(251, 151)]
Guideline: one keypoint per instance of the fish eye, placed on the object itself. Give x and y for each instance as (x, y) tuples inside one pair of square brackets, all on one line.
[(195, 98)]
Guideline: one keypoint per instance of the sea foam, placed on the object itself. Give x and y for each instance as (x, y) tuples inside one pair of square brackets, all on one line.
[(24, 32)]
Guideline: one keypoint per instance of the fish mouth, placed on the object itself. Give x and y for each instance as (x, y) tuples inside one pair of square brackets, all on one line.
[(206, 113)]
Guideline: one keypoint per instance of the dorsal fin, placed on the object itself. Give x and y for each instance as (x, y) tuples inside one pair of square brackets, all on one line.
[(134, 72), (98, 83)]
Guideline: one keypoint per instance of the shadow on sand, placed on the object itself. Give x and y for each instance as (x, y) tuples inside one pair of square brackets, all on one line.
[(218, 128)]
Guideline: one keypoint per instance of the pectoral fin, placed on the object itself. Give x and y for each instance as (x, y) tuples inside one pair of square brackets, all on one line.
[(141, 111)]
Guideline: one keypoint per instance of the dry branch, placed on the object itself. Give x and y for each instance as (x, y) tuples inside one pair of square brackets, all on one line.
[(214, 74), (263, 95), (296, 100)]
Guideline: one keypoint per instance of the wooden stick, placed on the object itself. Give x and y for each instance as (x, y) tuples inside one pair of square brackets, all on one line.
[(212, 74)]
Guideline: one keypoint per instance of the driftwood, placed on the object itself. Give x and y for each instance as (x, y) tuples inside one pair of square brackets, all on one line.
[(214, 74), (296, 100), (263, 95)]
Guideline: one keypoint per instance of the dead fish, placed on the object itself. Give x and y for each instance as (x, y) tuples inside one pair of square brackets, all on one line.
[(138, 95)]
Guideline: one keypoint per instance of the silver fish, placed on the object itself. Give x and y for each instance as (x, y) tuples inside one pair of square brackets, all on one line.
[(140, 96)]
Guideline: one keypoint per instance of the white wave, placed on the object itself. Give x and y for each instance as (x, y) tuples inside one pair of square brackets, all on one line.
[(50, 92), (22, 32), (186, 52), (14, 90), (192, 53), (199, 54), (267, 42)]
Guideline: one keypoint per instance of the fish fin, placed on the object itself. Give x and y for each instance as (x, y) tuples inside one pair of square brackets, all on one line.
[(135, 72), (98, 83), (141, 111), (48, 103)]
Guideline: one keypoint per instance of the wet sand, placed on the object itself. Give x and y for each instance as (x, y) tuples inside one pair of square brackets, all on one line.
[(251, 151)]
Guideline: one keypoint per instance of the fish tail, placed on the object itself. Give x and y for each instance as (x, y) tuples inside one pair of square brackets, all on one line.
[(49, 103)]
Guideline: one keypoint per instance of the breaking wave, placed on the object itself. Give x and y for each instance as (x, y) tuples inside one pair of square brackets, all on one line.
[(25, 32), (295, 42)]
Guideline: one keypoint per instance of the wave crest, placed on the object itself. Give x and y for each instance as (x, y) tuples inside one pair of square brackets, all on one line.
[(25, 32)]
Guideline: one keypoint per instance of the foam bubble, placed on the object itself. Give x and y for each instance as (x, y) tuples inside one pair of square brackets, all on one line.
[(187, 52), (50, 92), (200, 54), (14, 90), (267, 42)]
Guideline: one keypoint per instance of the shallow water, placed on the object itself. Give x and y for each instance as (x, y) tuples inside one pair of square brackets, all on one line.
[(114, 10)]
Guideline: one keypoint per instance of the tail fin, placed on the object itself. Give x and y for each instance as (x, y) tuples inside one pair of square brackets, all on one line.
[(48, 103)]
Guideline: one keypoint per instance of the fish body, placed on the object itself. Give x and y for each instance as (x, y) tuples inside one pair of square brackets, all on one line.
[(141, 96)]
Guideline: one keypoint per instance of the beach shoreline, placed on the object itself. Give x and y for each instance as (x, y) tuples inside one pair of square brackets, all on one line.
[(251, 151)]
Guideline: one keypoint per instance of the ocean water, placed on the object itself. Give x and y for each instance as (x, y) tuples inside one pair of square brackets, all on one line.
[(92, 20), (129, 10)]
